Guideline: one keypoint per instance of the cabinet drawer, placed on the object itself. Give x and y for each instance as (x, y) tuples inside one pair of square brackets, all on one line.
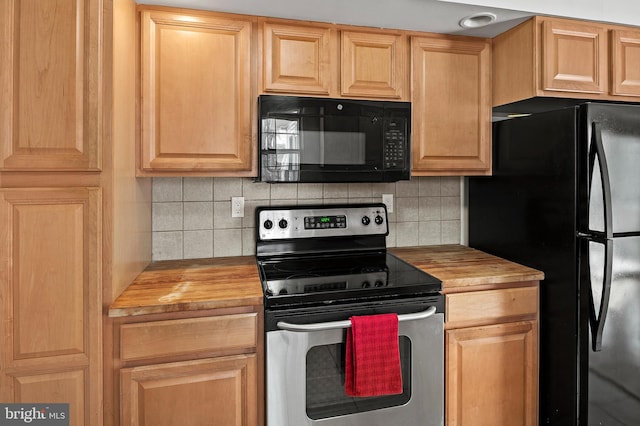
[(188, 336), (481, 307)]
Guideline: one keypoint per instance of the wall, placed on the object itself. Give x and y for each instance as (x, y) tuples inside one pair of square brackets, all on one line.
[(191, 217), (128, 239)]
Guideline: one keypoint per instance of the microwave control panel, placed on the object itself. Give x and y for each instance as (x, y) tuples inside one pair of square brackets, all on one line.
[(395, 143)]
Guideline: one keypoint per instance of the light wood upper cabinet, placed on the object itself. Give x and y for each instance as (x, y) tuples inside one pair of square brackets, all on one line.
[(50, 81), (564, 58), (197, 93), (373, 64), (451, 106), (491, 351), (625, 62), (574, 57), (297, 59), (50, 294), (333, 60)]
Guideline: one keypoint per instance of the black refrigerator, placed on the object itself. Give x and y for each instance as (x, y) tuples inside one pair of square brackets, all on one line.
[(564, 198)]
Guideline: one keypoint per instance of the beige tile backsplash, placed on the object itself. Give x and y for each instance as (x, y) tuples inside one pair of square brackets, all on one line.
[(191, 217)]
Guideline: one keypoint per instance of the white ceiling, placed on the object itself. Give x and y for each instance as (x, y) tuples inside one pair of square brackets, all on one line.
[(439, 16), (617, 11)]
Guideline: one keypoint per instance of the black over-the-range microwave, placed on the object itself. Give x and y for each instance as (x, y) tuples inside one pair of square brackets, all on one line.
[(304, 139)]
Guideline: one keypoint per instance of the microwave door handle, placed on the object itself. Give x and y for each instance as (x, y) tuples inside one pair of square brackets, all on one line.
[(337, 325)]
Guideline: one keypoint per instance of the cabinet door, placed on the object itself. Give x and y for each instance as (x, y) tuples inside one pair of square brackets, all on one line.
[(196, 93), (451, 101), (50, 295), (215, 391), (373, 65), (574, 57), (625, 63), (50, 84), (491, 375), (297, 59)]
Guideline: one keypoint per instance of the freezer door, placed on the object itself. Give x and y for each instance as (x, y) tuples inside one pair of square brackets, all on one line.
[(614, 370), (615, 167)]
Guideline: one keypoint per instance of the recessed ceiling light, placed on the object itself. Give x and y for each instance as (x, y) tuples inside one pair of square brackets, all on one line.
[(477, 20)]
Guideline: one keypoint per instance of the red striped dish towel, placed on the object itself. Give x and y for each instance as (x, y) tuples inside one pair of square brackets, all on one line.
[(372, 360)]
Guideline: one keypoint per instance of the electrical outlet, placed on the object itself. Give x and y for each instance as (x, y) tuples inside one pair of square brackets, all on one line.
[(237, 206), (387, 199)]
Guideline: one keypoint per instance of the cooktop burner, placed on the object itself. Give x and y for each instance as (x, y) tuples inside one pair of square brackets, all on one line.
[(331, 279), (302, 264)]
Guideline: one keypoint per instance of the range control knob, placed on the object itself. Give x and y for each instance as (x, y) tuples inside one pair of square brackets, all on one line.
[(283, 223), (366, 220), (379, 220), (267, 224), (366, 284)]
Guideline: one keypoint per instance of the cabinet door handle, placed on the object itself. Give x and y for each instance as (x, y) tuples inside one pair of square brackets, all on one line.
[(336, 325)]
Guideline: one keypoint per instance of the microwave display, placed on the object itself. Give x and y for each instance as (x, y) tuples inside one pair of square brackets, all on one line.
[(333, 140)]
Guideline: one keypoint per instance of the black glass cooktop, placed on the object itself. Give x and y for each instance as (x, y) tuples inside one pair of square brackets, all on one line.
[(325, 279)]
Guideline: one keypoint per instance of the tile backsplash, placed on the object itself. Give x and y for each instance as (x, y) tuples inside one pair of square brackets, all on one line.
[(191, 217)]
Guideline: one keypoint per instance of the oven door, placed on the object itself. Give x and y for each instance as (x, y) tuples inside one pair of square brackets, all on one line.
[(305, 376)]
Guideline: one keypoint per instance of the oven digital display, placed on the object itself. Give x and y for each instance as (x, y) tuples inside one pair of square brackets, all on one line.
[(324, 222)]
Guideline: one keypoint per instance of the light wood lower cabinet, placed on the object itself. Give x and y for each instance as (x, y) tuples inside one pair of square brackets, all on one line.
[(214, 391), (202, 370), (50, 299), (492, 358)]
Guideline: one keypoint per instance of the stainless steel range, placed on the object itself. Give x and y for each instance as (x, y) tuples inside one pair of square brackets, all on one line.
[(320, 266)]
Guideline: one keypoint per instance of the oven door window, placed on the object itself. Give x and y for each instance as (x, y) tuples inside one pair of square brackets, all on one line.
[(325, 376)]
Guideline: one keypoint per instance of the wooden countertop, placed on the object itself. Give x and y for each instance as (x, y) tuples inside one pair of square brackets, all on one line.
[(186, 285), (460, 267)]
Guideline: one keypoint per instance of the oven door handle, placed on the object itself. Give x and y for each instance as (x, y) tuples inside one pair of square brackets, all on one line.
[(336, 325)]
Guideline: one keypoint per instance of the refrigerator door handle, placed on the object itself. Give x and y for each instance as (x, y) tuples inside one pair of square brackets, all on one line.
[(597, 150), (596, 322)]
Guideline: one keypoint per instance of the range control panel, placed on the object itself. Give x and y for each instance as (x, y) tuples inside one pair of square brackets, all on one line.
[(278, 223)]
